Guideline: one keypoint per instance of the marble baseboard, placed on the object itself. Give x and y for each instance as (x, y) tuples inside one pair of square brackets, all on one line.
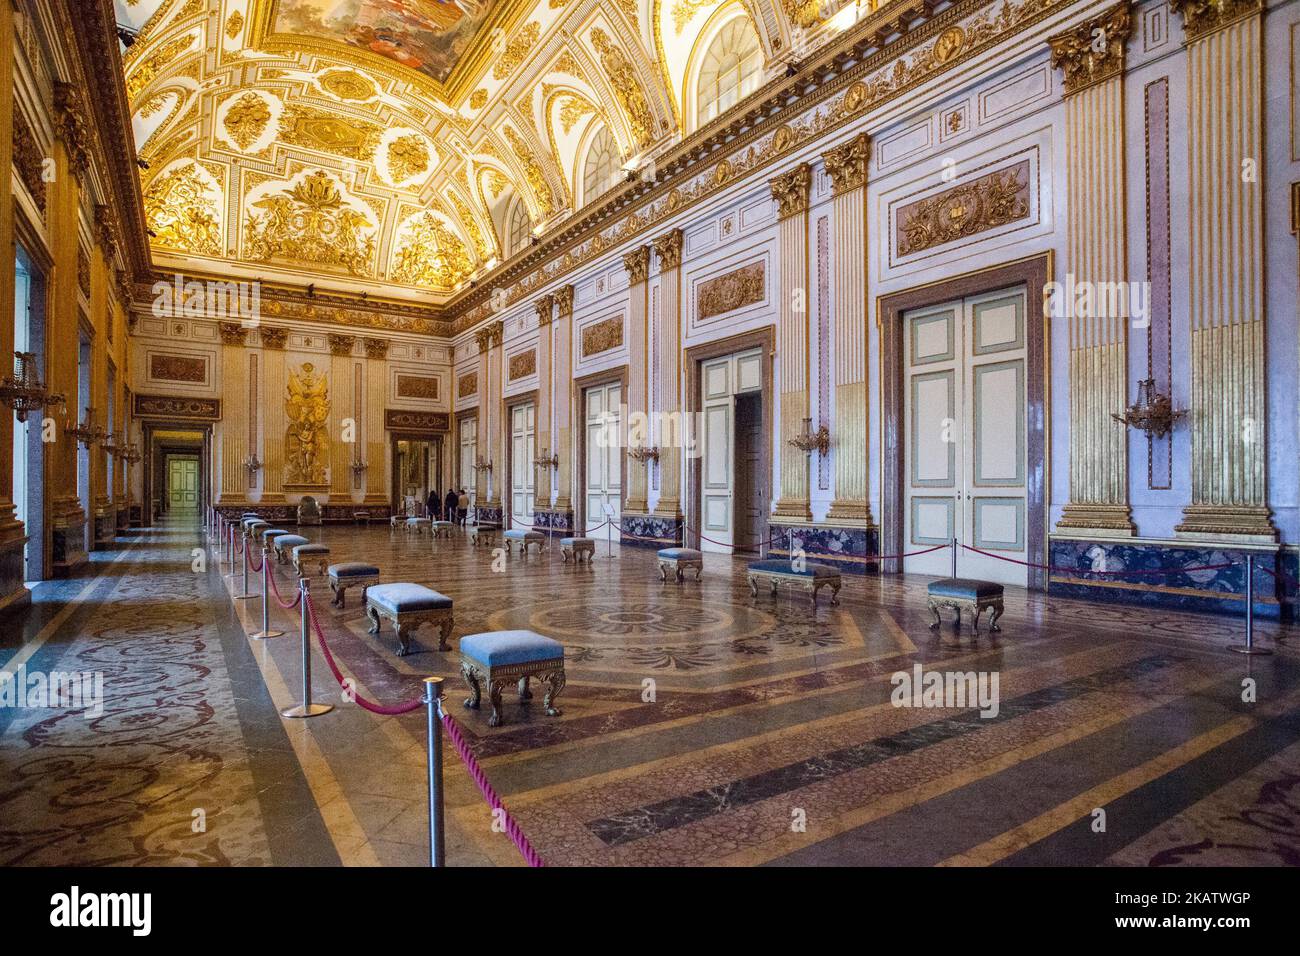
[(67, 547), (1219, 590), (287, 515), (651, 531), (851, 550), (488, 514), (105, 529), (560, 522), (13, 592)]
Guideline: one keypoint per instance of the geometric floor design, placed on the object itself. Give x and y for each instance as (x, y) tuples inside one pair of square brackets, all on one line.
[(700, 725)]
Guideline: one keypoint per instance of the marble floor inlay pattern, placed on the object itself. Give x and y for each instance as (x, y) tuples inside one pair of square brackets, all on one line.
[(700, 725)]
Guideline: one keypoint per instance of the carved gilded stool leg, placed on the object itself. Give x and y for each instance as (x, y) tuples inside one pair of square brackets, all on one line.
[(471, 679), (554, 684), (372, 613), (494, 689), (934, 609), (524, 692), (997, 613)]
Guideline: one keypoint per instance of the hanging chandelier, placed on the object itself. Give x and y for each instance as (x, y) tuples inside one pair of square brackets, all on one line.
[(23, 391), (89, 432), (1152, 413), (809, 441)]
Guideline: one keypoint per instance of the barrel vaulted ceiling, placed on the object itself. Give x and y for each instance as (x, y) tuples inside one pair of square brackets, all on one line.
[(377, 145)]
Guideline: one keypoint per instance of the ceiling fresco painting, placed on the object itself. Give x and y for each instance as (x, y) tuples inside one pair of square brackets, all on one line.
[(378, 145)]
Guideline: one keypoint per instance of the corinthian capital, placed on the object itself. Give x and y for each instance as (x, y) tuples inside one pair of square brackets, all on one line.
[(846, 164), (70, 125), (543, 307), (1203, 17), (637, 264), (668, 248), (1093, 50), (564, 301), (790, 190)]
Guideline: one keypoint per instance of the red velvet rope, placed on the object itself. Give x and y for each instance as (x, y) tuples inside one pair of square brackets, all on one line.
[(248, 559), (393, 711), (279, 600), (1057, 567), (489, 794)]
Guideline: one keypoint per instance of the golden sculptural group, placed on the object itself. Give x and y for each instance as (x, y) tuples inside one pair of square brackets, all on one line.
[(307, 408)]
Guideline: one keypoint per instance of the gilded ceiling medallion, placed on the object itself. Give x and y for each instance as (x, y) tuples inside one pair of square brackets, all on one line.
[(328, 132), (430, 255), (181, 212), (408, 157), (478, 99), (234, 24), (347, 85), (310, 223), (245, 120)]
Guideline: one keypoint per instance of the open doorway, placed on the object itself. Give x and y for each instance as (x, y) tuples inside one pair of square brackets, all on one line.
[(750, 503), (176, 484), (417, 471), (28, 449)]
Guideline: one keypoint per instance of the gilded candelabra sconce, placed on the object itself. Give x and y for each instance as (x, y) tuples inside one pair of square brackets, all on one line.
[(23, 391), (359, 468), (481, 466), (644, 453), (1152, 413), (252, 465), (89, 431), (810, 441), (130, 454), (547, 461), (109, 445)]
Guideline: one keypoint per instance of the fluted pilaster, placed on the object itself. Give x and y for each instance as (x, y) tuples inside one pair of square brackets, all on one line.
[(790, 190), (672, 431), (564, 397), (637, 264), (545, 306)]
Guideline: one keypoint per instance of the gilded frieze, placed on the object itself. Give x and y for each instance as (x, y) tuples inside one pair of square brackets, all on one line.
[(993, 200), (735, 290), (189, 369), (311, 223), (522, 364), (181, 211), (417, 386), (602, 336)]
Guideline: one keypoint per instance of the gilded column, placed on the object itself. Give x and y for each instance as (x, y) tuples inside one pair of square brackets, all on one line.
[(374, 448), (72, 138), (1091, 56), (484, 339), (790, 191), (232, 448), (498, 428), (637, 264), (1226, 274), (12, 532), (343, 413), (273, 419), (101, 502), (562, 378), (544, 306), (847, 167), (672, 430)]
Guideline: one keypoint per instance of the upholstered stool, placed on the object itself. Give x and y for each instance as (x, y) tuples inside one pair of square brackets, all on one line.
[(511, 657), (523, 537), (576, 547), (304, 553), (406, 607), (966, 594), (395, 521), (251, 523), (361, 517), (351, 574), (485, 534), (417, 525), (810, 576), (677, 560), (284, 545), (270, 534), (441, 529)]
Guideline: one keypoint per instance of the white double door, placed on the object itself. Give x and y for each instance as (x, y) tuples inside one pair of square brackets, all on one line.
[(731, 500), (965, 435), (468, 456), (523, 475), (604, 474)]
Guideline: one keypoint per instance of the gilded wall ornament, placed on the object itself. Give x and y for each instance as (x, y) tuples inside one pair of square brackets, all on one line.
[(29, 159), (949, 43), (342, 344), (478, 99), (347, 85), (790, 190), (637, 264), (532, 172), (418, 386), (543, 307), (735, 290), (408, 156), (189, 369), (684, 12), (376, 348), (181, 213), (482, 247), (106, 230), (149, 69), (484, 339), (325, 131), (1202, 17), (515, 50), (804, 13), (310, 222), (83, 271), (522, 364), (232, 333), (307, 409), (846, 164), (602, 336), (627, 88), (467, 385), (70, 125), (572, 109), (430, 254), (668, 248), (1093, 50), (234, 23), (272, 336), (993, 200), (245, 120)]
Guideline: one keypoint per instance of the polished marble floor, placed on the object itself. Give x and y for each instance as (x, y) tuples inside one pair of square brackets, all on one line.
[(700, 726)]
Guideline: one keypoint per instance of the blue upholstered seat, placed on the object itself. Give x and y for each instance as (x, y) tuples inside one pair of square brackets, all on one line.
[(522, 534), (290, 541), (398, 598), (251, 523), (570, 542), (352, 569), (680, 553), (442, 524), (302, 550), (269, 533), (497, 648), (782, 566), (966, 588)]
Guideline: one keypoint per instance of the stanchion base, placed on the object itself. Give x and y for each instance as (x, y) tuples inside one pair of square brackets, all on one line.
[(1254, 651), (263, 635), (308, 710), (244, 597)]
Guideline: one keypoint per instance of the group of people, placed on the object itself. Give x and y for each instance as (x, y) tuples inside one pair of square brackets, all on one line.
[(454, 507)]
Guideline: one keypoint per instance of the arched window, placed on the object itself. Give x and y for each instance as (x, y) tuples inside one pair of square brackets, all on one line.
[(600, 172), (518, 229), (729, 71)]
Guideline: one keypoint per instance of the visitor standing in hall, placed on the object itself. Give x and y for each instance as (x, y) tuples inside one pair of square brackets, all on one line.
[(434, 504), (462, 504), (451, 504)]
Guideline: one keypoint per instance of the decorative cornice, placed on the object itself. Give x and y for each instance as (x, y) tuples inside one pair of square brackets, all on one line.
[(564, 301), (1093, 50), (376, 348), (846, 164), (273, 336), (544, 305), (233, 333), (637, 264), (70, 125), (1203, 17), (342, 344), (790, 190), (668, 248)]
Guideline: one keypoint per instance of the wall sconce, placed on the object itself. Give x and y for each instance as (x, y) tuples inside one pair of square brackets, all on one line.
[(130, 454), (550, 461), (810, 441), (359, 468), (88, 432), (480, 465), (23, 391), (109, 445), (252, 466), (1152, 413), (644, 453)]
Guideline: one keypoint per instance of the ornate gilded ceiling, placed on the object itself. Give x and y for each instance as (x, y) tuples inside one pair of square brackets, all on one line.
[(378, 145)]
